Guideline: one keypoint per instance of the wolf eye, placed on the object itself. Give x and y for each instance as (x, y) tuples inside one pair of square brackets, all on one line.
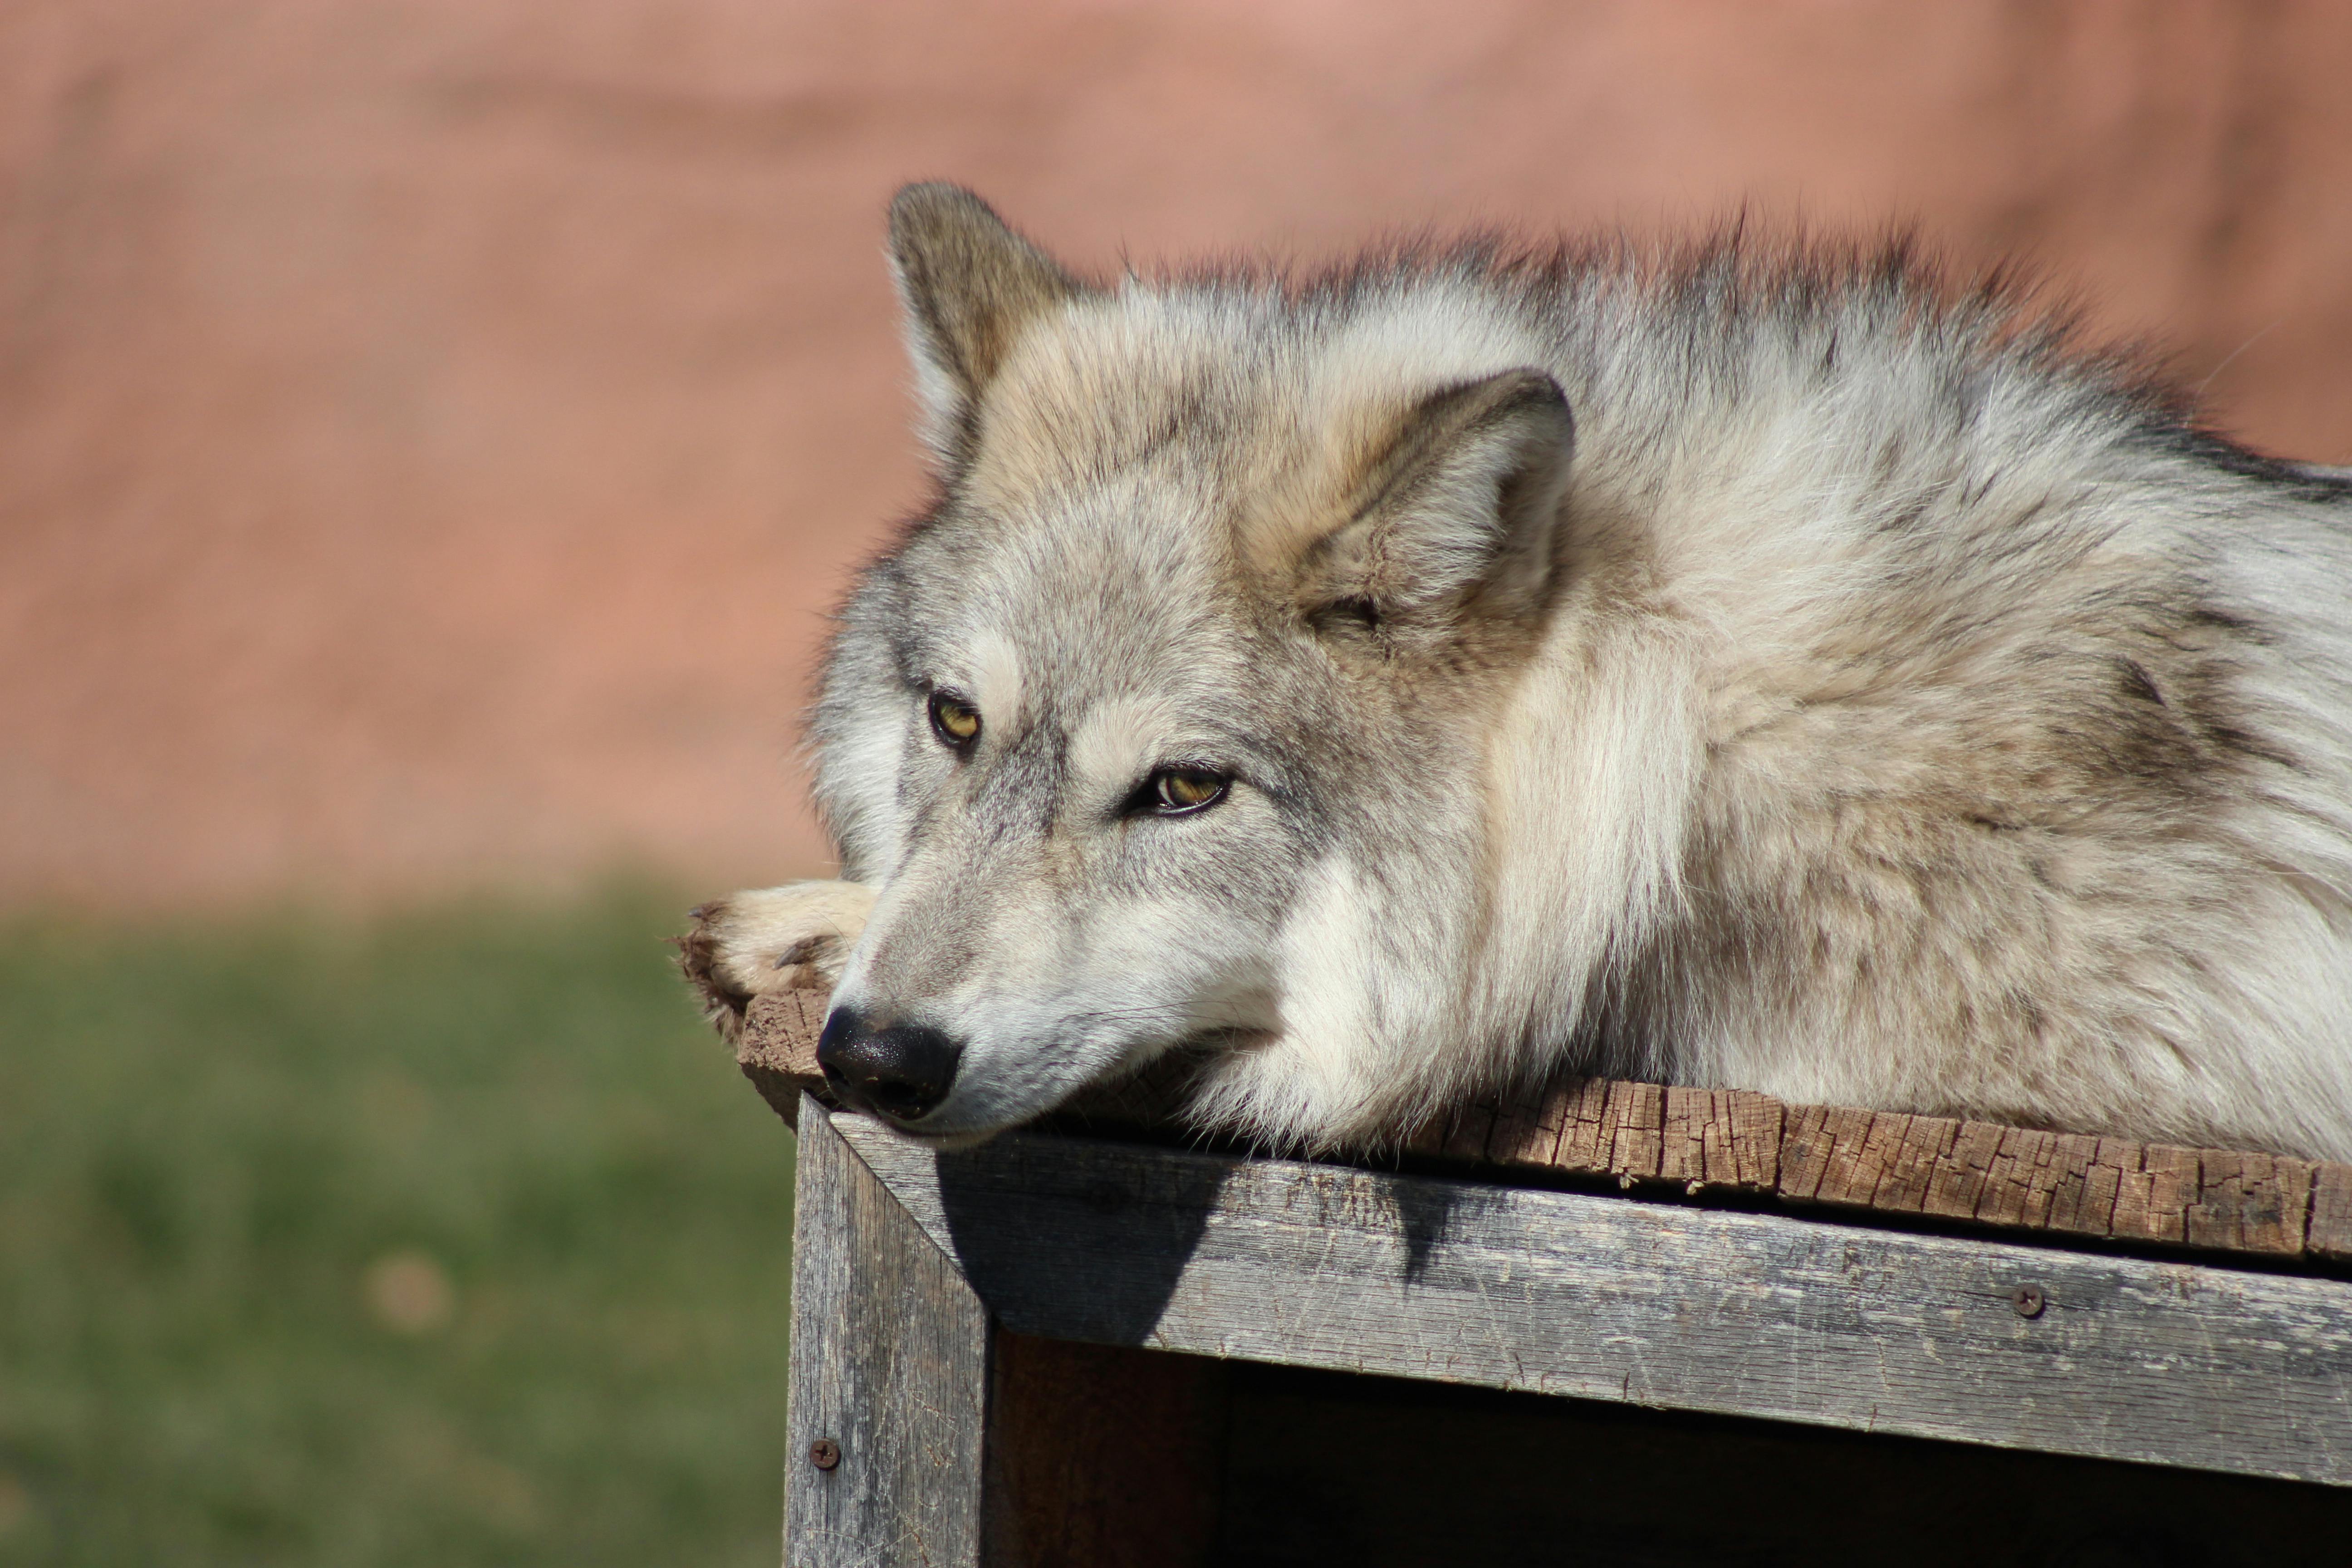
[(954, 720), (1176, 791)]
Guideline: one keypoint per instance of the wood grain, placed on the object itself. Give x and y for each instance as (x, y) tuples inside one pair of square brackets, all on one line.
[(1648, 1136), (1668, 1305), (777, 1049), (2330, 1233), (890, 1364)]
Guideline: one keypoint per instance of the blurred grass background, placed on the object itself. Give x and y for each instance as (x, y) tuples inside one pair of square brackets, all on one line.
[(444, 1237)]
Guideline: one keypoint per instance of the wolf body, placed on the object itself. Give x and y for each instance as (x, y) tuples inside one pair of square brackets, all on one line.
[(1745, 668)]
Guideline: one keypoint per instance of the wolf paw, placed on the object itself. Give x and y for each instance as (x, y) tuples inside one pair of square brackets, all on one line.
[(796, 937)]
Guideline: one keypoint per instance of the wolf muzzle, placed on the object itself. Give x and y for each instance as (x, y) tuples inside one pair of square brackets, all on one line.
[(901, 1070)]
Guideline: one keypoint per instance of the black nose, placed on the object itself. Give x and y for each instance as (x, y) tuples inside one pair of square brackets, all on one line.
[(903, 1071)]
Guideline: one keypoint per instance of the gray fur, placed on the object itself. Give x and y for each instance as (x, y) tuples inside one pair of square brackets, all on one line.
[(1752, 666)]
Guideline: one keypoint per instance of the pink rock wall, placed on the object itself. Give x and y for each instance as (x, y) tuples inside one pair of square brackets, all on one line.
[(432, 430)]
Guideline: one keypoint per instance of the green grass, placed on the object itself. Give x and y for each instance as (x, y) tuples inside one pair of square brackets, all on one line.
[(447, 1239)]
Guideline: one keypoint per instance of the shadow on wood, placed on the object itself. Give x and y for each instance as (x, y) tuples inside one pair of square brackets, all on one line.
[(970, 1384), (1152, 1227), (920, 1431), (1680, 1308)]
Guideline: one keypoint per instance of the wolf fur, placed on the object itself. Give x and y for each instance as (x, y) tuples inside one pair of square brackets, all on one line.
[(1753, 666)]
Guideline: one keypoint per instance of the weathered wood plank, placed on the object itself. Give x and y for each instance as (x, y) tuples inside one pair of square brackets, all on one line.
[(2010, 1178), (2083, 1200), (2251, 1203), (1665, 1305), (889, 1367), (1743, 1141), (1824, 1156), (2330, 1236), (777, 1049), (1527, 1131), (1683, 1117), (2019, 1189), (1636, 1116), (1585, 1146)]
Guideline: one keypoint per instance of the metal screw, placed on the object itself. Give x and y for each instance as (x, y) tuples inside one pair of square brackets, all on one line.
[(825, 1453), (2029, 1300)]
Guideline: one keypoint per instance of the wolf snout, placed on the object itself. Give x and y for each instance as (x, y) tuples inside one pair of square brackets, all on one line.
[(902, 1070)]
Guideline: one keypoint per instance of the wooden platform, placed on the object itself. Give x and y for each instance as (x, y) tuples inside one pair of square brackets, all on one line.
[(1657, 1139), (1062, 1348)]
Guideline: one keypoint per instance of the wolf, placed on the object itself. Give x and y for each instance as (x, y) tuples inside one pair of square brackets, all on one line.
[(1745, 663)]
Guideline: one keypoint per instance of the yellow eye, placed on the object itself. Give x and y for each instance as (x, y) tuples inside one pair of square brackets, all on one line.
[(1179, 790), (954, 720)]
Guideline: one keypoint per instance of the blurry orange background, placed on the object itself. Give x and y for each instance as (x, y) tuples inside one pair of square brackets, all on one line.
[(432, 431)]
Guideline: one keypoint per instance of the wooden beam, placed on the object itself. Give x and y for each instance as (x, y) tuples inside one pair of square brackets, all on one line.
[(1665, 1141), (889, 1377), (1664, 1305), (777, 1050), (920, 1432)]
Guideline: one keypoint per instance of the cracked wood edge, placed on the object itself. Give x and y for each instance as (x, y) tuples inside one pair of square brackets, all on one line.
[(2072, 1186)]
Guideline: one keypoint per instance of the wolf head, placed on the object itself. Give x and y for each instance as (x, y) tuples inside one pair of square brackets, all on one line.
[(1168, 723)]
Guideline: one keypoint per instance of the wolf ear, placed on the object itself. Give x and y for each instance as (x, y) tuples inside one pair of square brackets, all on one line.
[(1460, 504), (969, 284)]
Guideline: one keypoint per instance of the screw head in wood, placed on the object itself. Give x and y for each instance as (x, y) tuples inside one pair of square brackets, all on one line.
[(2029, 1300), (825, 1453)]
